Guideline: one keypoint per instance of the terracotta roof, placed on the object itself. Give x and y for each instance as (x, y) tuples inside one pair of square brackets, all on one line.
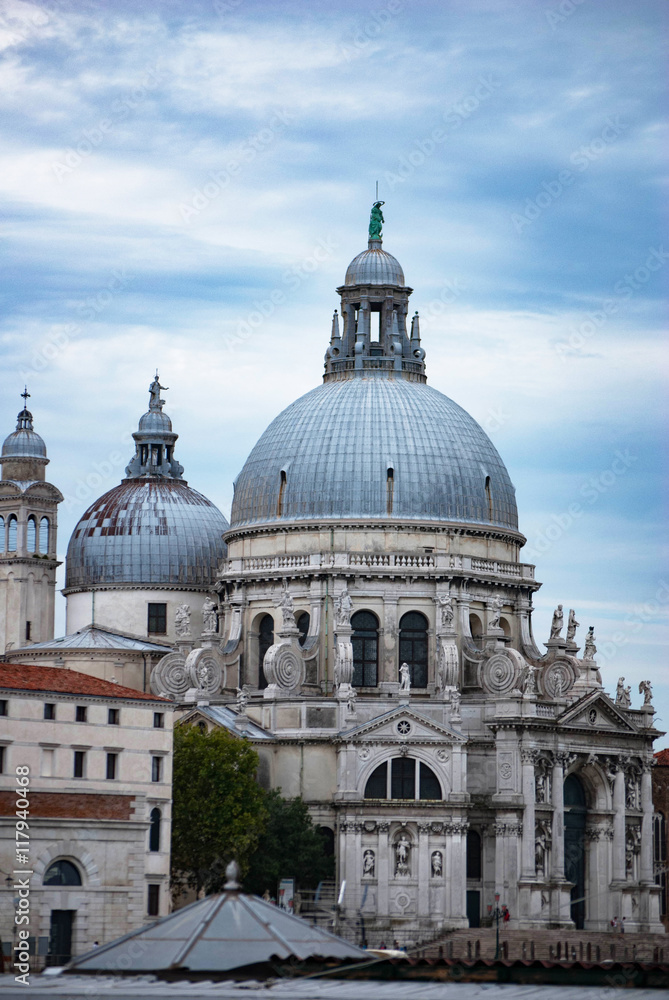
[(57, 680), (662, 757)]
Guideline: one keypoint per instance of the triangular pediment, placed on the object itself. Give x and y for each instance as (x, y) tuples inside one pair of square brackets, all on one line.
[(596, 712), (400, 725)]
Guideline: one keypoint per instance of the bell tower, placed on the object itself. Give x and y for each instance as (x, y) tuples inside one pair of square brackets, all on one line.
[(28, 533)]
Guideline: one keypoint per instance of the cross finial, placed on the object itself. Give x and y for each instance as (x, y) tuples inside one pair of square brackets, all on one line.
[(25, 396)]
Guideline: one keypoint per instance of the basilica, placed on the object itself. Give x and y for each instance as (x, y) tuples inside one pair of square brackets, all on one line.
[(364, 619)]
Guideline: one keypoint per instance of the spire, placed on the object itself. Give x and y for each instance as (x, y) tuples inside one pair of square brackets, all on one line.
[(154, 442)]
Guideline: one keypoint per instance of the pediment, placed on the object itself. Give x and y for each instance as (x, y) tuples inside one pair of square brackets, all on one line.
[(596, 712), (400, 725)]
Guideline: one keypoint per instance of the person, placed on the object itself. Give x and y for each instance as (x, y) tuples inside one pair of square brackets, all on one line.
[(382, 946), (506, 916), (396, 945), (614, 924), (622, 925)]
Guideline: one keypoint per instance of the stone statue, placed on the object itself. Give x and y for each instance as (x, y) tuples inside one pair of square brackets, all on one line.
[(402, 848), (556, 624), (405, 678), (495, 614), (541, 786), (209, 617), (286, 605), (572, 625), (455, 704), (437, 861), (182, 621), (623, 694), (646, 689), (590, 648), (155, 402), (446, 608), (376, 220), (343, 607), (528, 680), (242, 699), (541, 844), (368, 863)]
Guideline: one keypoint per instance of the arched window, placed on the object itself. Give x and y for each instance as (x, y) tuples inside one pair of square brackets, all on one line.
[(265, 640), (2, 533), (11, 533), (365, 640), (154, 829), (474, 855), (413, 646), (476, 629), (31, 535), (402, 780), (303, 625), (44, 535), (62, 873)]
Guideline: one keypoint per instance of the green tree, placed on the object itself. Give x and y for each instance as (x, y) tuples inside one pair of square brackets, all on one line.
[(290, 847), (218, 807)]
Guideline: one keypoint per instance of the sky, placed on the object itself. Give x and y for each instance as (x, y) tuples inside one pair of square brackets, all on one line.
[(183, 184)]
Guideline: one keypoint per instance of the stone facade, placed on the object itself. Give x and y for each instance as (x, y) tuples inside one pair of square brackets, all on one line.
[(110, 823)]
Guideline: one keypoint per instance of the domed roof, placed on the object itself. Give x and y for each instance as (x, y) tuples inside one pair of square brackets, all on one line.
[(24, 442), (334, 448), (147, 532), (155, 420), (374, 267)]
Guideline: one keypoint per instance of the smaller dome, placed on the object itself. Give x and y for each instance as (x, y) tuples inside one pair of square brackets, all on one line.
[(24, 442), (374, 267), (155, 420)]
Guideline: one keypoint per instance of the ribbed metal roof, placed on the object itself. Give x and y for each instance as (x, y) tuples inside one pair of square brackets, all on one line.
[(337, 443), (24, 442), (147, 532), (374, 267), (93, 637)]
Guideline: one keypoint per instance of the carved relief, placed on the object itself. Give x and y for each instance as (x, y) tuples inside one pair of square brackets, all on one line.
[(368, 864), (205, 670), (169, 677)]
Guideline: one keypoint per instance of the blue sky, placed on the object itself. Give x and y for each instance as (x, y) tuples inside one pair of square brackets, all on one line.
[(166, 167)]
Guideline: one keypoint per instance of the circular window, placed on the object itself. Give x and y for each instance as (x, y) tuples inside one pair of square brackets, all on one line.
[(403, 727)]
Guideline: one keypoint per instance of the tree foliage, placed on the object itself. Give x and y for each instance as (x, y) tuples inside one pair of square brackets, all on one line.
[(219, 811), (290, 847)]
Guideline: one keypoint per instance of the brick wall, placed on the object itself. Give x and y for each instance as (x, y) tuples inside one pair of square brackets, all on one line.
[(71, 805)]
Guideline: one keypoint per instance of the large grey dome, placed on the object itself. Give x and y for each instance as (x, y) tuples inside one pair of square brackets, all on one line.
[(374, 267), (147, 532), (328, 455)]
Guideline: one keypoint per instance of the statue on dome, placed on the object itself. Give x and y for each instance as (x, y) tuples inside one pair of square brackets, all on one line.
[(572, 625), (155, 402), (556, 624), (376, 220)]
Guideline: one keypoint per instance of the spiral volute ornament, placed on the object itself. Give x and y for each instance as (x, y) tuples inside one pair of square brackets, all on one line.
[(205, 670), (283, 666), (499, 674), (558, 679), (169, 677)]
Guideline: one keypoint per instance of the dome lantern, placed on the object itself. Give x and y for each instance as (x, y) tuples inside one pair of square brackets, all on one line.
[(374, 308), (24, 451), (154, 442)]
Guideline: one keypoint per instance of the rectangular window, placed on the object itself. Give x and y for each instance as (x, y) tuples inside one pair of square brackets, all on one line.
[(112, 759), (3, 706), (2, 759), (114, 716), (156, 768), (157, 619), (49, 710), (80, 713), (48, 763), (153, 901), (28, 629), (79, 764), (403, 778), (158, 720)]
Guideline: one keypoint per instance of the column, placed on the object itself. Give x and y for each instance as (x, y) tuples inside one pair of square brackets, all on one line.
[(557, 799), (646, 824), (527, 865), (423, 900), (619, 824), (383, 869)]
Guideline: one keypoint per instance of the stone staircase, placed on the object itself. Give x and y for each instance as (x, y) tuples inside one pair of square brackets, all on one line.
[(546, 945)]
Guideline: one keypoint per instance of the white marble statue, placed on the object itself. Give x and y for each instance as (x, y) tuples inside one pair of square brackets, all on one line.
[(446, 611), (287, 611), (572, 625), (209, 617), (495, 614), (182, 621), (623, 694), (242, 700), (402, 849), (437, 861), (368, 863), (405, 678), (590, 648), (556, 624), (646, 689), (343, 608)]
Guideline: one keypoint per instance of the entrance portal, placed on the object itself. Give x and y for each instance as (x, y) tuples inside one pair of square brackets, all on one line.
[(60, 937), (574, 845)]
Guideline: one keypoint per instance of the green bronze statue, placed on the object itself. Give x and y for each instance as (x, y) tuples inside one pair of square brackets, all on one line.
[(376, 221)]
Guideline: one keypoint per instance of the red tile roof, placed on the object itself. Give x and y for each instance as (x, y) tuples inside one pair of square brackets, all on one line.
[(662, 757), (58, 680)]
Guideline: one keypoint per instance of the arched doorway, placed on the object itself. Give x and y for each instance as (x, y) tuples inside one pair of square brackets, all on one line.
[(574, 845)]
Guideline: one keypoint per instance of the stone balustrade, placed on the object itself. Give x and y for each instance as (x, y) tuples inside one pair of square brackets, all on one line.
[(382, 562)]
